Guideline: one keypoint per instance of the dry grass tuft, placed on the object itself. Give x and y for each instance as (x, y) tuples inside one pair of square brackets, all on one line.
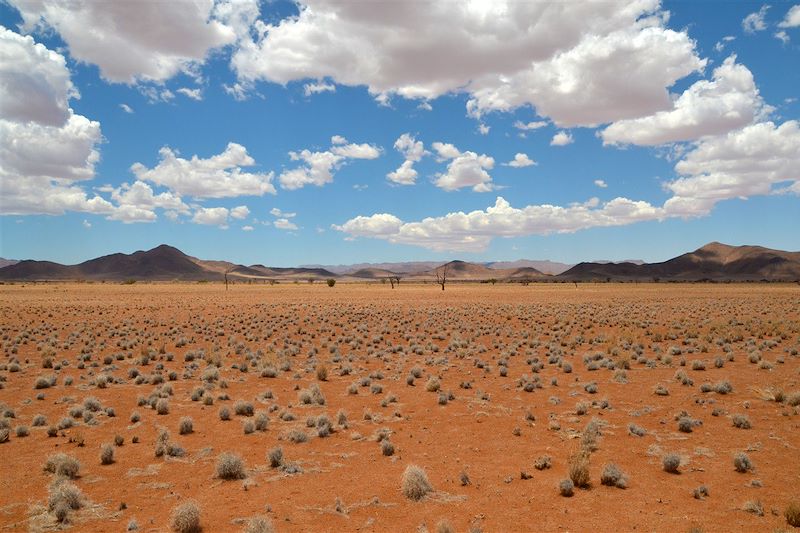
[(415, 484)]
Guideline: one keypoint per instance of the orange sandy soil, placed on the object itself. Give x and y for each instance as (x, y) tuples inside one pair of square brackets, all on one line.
[(474, 328)]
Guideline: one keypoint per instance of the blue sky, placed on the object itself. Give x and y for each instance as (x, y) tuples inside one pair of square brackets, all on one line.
[(644, 130)]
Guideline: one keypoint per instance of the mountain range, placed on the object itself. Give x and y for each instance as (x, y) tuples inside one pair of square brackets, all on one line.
[(713, 262)]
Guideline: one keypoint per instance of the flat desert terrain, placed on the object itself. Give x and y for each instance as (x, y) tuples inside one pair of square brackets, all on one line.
[(658, 407)]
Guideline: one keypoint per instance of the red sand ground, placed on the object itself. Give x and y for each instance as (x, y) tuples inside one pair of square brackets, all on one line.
[(474, 327)]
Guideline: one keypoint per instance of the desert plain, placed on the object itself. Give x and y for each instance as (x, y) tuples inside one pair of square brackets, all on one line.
[(160, 394)]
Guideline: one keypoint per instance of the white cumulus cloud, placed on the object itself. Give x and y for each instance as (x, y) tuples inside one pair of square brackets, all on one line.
[(728, 101), (577, 63), (743, 163), (45, 148), (562, 138), (219, 176), (466, 169), (318, 167), (792, 18), (413, 150), (211, 216), (755, 21), (140, 41), (520, 160)]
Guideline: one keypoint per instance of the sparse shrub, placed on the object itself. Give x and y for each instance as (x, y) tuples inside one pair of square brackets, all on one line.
[(322, 372), (742, 462), (671, 462), (39, 421), (331, 282), (259, 524), (613, 476), (741, 422), (444, 526), (62, 465), (22, 431), (63, 497), (230, 466), (261, 421), (432, 385), (566, 488), (186, 518), (637, 431), (135, 417), (387, 448), (186, 425), (415, 484), (579, 468), (685, 424), (243, 408), (106, 454), (297, 436), (224, 413), (792, 514), (162, 406), (275, 457), (543, 463), (754, 506), (248, 427), (700, 492), (723, 387)]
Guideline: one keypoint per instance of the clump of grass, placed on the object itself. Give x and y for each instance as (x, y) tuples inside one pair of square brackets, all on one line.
[(579, 468), (106, 454), (275, 457), (186, 518), (433, 384), (322, 372), (444, 526), (262, 421), (224, 413), (637, 431), (753, 506), (248, 427), (566, 488), (162, 406), (259, 524), (671, 462), (614, 477), (543, 463), (230, 466), (741, 422), (63, 497), (62, 465), (415, 484), (700, 492), (297, 436), (186, 425), (243, 408), (22, 431), (685, 424), (742, 462), (792, 514), (387, 448)]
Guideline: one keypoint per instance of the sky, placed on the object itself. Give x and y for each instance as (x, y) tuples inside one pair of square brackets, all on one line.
[(327, 132)]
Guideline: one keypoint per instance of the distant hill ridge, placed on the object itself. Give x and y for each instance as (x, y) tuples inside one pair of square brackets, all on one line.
[(714, 261)]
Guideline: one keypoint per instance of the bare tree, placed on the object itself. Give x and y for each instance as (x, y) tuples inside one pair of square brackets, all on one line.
[(227, 271), (394, 279), (441, 275)]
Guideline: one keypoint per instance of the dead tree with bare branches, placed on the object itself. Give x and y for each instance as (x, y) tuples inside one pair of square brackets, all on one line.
[(227, 271), (441, 275)]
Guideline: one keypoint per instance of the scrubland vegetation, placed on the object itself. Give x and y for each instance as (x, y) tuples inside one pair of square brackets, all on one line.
[(365, 408)]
